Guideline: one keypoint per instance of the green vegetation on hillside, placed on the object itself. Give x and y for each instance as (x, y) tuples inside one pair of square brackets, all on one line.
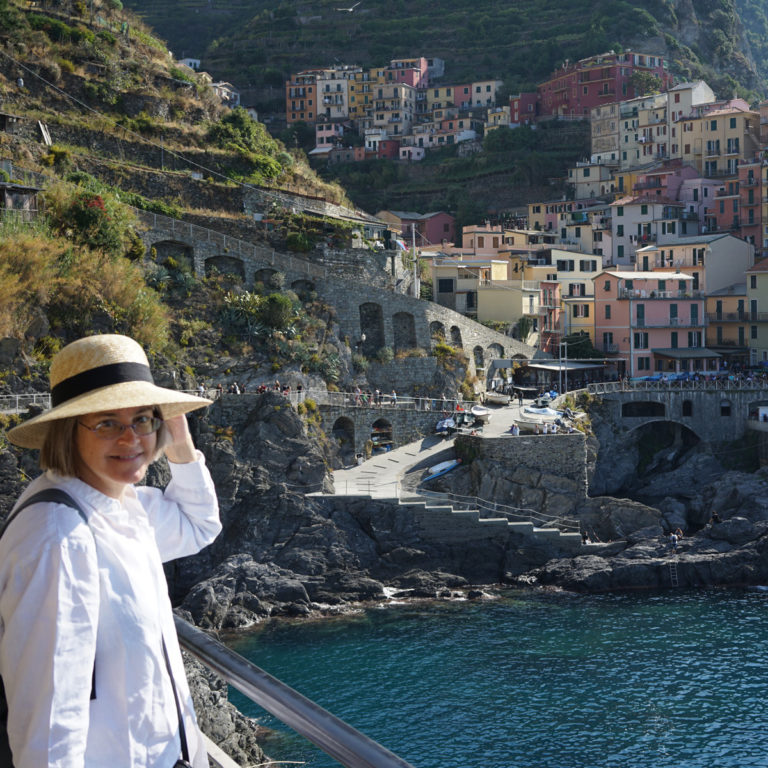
[(256, 45), (513, 166), (73, 269)]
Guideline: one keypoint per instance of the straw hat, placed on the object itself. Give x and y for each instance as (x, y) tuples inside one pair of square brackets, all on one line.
[(99, 373)]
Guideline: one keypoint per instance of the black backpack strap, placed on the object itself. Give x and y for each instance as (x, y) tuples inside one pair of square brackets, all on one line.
[(52, 495)]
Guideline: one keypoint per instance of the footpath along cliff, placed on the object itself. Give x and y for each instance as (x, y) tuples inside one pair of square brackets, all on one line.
[(286, 553)]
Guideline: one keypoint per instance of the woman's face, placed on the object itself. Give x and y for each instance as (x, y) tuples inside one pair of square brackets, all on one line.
[(111, 464)]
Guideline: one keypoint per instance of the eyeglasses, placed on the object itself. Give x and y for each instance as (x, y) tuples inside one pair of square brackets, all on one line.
[(109, 429)]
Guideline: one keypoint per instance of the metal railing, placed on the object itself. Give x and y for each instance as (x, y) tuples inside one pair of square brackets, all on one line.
[(19, 403), (712, 385), (514, 514), (332, 735)]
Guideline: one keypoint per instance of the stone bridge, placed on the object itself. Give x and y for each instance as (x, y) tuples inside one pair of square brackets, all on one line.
[(359, 284), (715, 411)]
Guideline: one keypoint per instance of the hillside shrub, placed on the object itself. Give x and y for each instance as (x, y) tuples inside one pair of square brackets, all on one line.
[(77, 289), (298, 242), (107, 37), (58, 157), (88, 218), (277, 311)]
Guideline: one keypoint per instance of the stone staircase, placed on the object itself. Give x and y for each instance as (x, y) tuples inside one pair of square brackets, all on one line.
[(457, 526)]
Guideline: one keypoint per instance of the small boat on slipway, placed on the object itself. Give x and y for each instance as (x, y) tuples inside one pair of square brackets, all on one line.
[(481, 413), (442, 468), (532, 416), (496, 398)]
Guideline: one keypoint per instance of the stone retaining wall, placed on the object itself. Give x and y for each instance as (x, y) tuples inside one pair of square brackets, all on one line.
[(535, 460)]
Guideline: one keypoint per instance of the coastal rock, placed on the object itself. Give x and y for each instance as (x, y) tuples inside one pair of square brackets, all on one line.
[(239, 736), (725, 554), (684, 481)]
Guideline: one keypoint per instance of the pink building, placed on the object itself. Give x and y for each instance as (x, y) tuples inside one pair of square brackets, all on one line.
[(550, 320), (388, 148), (413, 72), (522, 109), (652, 323)]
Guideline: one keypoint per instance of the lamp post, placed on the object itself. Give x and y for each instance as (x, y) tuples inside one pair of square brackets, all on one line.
[(563, 346)]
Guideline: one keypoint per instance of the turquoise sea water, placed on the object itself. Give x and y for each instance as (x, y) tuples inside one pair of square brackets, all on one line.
[(536, 680)]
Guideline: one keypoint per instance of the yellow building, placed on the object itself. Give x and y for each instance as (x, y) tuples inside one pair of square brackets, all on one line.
[(456, 282), (497, 117), (728, 323), (717, 140), (362, 92), (439, 97), (757, 309)]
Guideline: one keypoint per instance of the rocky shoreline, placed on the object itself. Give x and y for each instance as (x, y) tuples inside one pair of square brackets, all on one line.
[(285, 553)]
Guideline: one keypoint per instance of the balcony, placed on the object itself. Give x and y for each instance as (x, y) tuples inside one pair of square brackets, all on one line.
[(643, 293), (671, 322), (648, 185), (727, 317), (642, 240), (609, 349)]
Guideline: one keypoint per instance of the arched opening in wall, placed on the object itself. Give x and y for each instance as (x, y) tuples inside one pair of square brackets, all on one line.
[(381, 435), (372, 327), (404, 331), (643, 409), (456, 337), (180, 253), (725, 407), (343, 434), (267, 277), (226, 266), (304, 289), (495, 351), (436, 331), (687, 408), (662, 446), (479, 358)]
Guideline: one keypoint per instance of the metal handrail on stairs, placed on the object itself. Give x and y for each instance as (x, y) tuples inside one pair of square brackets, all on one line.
[(335, 737), (517, 514)]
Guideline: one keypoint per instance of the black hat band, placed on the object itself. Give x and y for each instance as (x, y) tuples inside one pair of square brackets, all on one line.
[(95, 378)]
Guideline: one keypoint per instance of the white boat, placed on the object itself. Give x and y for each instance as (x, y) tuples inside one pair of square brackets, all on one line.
[(532, 416), (496, 398), (444, 466), (481, 413)]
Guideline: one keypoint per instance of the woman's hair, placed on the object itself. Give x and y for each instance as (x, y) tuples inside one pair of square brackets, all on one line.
[(58, 451), (59, 454)]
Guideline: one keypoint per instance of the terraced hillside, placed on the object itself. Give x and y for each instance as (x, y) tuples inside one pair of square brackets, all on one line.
[(256, 45)]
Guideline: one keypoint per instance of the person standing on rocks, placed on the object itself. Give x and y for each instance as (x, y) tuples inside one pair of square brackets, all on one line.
[(89, 657), (673, 541)]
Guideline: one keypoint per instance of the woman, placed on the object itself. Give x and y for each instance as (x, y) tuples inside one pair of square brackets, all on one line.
[(85, 618)]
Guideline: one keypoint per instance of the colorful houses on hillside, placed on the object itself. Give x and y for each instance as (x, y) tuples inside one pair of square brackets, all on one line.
[(657, 250)]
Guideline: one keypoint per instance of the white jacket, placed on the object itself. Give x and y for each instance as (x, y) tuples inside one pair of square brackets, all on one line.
[(71, 593)]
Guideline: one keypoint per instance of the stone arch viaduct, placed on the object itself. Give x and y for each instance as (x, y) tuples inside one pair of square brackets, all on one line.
[(363, 286), (714, 411)]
